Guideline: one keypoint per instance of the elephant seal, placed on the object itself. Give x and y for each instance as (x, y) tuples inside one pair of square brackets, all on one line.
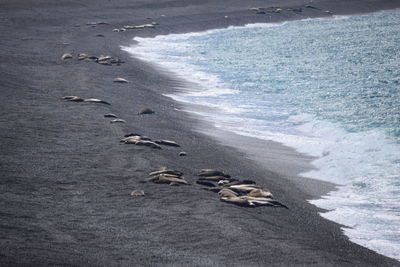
[(135, 138), (244, 201), (212, 172), (105, 62), (165, 170), (139, 142), (120, 80), (66, 56), (255, 8), (205, 183), (167, 143), (215, 189), (137, 193), (94, 23), (243, 188), (82, 56), (238, 201), (247, 182), (223, 182), (164, 176), (132, 134), (146, 111), (110, 115), (167, 179), (95, 100), (82, 99), (73, 98), (117, 121), (225, 192), (212, 178), (130, 139), (261, 201), (182, 154), (103, 58), (260, 193)]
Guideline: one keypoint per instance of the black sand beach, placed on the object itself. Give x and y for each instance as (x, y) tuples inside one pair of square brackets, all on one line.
[(66, 180)]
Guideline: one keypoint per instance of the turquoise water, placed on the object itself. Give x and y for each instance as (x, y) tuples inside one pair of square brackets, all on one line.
[(327, 87)]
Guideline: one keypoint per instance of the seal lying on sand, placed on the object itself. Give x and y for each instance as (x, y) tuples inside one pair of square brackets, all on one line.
[(73, 98), (165, 170), (205, 183), (95, 100), (110, 115), (81, 99), (97, 23), (165, 175), (144, 143), (212, 172), (134, 138), (104, 60), (117, 121), (225, 192), (167, 179), (135, 135), (66, 56), (137, 193), (213, 178), (120, 80), (148, 25), (260, 193), (140, 141), (167, 143), (252, 201)]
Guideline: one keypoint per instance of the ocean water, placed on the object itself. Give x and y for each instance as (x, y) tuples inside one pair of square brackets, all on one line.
[(329, 88)]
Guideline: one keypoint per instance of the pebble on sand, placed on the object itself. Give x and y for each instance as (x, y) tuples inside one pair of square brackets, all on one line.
[(146, 111)]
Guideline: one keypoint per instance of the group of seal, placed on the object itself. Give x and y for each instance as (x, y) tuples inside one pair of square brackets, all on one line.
[(137, 139), (103, 60), (74, 98), (243, 193), (133, 27), (165, 175), (272, 9), (95, 23)]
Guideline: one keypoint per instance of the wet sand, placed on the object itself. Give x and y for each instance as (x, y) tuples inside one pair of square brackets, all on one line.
[(66, 180)]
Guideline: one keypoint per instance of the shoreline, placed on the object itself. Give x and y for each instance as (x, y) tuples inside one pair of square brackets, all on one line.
[(67, 181)]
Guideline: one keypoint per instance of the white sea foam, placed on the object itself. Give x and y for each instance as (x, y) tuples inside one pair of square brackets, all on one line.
[(365, 164)]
